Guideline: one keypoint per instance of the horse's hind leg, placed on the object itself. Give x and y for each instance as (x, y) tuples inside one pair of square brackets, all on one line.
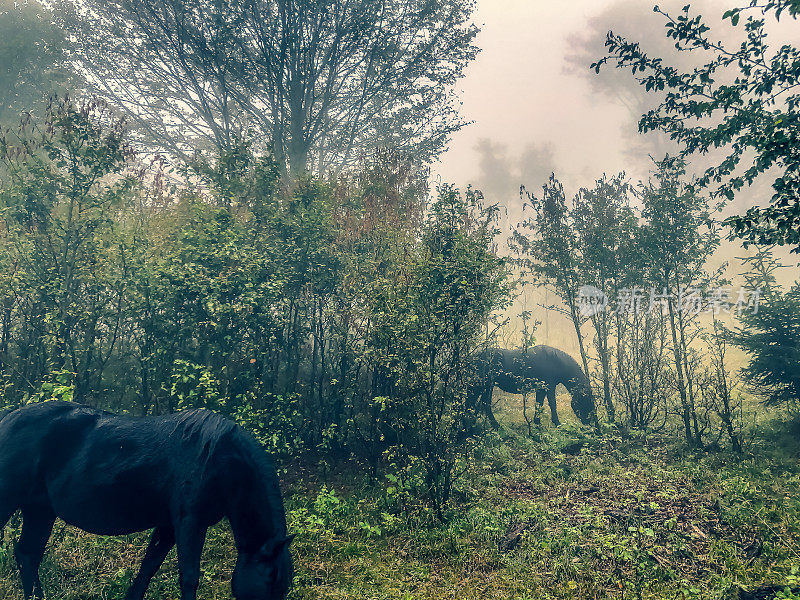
[(37, 523), (161, 542)]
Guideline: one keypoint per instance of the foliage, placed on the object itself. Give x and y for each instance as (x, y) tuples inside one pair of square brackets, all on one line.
[(771, 335), (642, 378), (428, 319), (605, 224), (331, 315), (744, 100), (59, 385), (548, 247), (64, 250), (720, 389), (677, 238), (32, 60), (645, 250)]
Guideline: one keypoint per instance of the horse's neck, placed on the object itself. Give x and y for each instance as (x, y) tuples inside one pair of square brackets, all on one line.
[(255, 514), (575, 379)]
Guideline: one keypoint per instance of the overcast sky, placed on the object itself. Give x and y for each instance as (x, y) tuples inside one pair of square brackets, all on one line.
[(520, 96), (532, 97)]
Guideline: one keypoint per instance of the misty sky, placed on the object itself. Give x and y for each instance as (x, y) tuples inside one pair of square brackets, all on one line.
[(520, 96), (535, 104)]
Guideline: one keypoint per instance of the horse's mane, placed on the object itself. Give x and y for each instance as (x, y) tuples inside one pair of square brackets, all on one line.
[(208, 427), (211, 429)]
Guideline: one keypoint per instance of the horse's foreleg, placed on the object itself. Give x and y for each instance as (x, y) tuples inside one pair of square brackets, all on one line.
[(525, 411), (161, 542), (189, 537), (537, 409), (486, 405), (551, 400), (36, 527)]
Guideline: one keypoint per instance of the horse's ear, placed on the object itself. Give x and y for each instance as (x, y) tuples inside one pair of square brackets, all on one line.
[(284, 543)]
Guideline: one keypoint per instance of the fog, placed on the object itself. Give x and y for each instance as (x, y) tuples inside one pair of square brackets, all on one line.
[(531, 88), (536, 107)]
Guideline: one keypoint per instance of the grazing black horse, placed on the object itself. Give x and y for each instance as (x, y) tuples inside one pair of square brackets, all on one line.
[(177, 474), (540, 369)]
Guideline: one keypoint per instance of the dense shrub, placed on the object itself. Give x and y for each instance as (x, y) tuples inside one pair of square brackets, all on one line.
[(331, 315)]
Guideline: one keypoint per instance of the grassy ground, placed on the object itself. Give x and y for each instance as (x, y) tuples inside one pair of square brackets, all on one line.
[(559, 515)]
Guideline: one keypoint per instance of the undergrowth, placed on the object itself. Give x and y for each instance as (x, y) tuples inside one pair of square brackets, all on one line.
[(564, 514)]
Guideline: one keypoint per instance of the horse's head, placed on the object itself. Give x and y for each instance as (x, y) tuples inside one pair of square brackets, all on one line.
[(265, 574), (583, 405)]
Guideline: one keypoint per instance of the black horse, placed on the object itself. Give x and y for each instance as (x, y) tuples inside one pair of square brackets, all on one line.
[(177, 474), (540, 369)]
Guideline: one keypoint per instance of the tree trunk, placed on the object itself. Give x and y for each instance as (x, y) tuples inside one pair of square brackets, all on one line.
[(601, 328), (676, 348)]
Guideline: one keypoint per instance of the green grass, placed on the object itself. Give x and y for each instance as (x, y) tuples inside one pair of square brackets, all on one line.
[(614, 517)]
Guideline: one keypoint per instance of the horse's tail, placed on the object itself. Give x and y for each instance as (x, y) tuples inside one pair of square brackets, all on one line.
[(3, 415)]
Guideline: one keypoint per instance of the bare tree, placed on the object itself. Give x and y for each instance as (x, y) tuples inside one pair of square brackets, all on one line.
[(317, 83), (641, 381)]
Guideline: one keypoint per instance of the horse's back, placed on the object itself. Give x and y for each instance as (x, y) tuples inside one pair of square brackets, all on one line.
[(544, 364), (552, 364), (105, 473)]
